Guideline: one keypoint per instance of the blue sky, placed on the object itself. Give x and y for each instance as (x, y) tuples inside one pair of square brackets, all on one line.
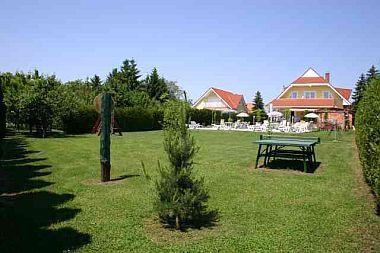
[(241, 46)]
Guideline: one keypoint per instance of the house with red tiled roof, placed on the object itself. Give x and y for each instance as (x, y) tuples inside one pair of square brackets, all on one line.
[(220, 100), (313, 93)]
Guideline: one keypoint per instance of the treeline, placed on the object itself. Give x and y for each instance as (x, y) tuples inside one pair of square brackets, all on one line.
[(42, 102), (367, 122)]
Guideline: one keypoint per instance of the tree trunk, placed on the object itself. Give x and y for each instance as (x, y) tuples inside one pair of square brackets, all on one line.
[(177, 222)]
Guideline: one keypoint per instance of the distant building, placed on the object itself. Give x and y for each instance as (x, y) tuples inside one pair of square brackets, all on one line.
[(220, 100), (314, 93), (250, 107)]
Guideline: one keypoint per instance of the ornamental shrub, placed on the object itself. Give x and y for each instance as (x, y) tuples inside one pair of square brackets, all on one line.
[(181, 199), (367, 122)]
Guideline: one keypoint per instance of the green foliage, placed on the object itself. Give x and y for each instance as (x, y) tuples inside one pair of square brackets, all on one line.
[(80, 121), (287, 114), (42, 102), (260, 115), (3, 113), (304, 114), (127, 79), (359, 90), (207, 117), (361, 86), (181, 199), (156, 87), (368, 135), (258, 101), (139, 118)]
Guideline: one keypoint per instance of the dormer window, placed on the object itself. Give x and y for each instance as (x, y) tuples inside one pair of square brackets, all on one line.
[(293, 94), (309, 94)]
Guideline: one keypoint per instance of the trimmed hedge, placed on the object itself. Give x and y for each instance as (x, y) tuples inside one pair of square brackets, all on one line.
[(80, 121), (129, 119), (138, 119), (367, 123)]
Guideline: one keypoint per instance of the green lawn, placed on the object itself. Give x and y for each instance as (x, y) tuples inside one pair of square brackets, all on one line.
[(51, 199)]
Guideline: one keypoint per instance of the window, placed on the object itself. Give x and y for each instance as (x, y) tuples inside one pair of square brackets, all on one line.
[(327, 94), (293, 94), (309, 94)]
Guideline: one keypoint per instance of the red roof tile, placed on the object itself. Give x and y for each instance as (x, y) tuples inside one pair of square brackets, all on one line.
[(230, 98), (303, 102), (310, 80), (346, 93)]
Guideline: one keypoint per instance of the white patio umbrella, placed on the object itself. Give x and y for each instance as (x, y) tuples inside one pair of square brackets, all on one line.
[(242, 115), (311, 115), (274, 114)]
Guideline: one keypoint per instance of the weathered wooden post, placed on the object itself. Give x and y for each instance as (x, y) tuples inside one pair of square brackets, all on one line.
[(105, 138)]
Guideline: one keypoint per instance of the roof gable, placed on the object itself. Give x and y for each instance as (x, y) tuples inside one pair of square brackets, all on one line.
[(346, 93), (310, 76), (232, 100)]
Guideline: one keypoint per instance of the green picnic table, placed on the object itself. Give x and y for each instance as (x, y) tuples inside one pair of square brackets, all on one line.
[(294, 147)]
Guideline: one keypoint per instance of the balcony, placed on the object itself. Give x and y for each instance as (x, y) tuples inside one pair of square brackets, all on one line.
[(306, 103)]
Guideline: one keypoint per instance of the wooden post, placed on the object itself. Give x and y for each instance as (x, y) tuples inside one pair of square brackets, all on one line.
[(105, 138)]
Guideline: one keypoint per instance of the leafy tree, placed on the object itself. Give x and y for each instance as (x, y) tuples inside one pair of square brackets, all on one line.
[(181, 199), (175, 92), (258, 101), (96, 82), (156, 86)]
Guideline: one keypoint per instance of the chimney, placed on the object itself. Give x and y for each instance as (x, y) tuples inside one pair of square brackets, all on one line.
[(327, 77)]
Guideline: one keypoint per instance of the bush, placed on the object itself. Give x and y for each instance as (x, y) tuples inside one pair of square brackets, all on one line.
[(138, 119), (80, 121), (368, 136), (129, 119), (181, 200)]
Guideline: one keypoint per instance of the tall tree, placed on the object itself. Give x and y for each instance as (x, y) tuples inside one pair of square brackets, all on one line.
[(130, 75), (359, 90), (371, 74), (362, 84), (258, 100), (156, 86)]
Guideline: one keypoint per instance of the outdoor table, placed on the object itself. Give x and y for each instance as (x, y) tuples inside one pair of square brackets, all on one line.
[(283, 146)]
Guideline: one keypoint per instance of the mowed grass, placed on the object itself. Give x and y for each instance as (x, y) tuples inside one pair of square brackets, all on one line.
[(54, 200)]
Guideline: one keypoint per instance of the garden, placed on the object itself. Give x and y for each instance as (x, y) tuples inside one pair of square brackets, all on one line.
[(52, 199)]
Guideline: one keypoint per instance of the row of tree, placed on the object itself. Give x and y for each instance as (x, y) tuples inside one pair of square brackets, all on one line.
[(361, 86), (367, 122), (42, 101)]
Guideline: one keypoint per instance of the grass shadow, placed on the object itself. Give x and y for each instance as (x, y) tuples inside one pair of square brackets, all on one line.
[(207, 219), (27, 210), (124, 177), (297, 165)]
